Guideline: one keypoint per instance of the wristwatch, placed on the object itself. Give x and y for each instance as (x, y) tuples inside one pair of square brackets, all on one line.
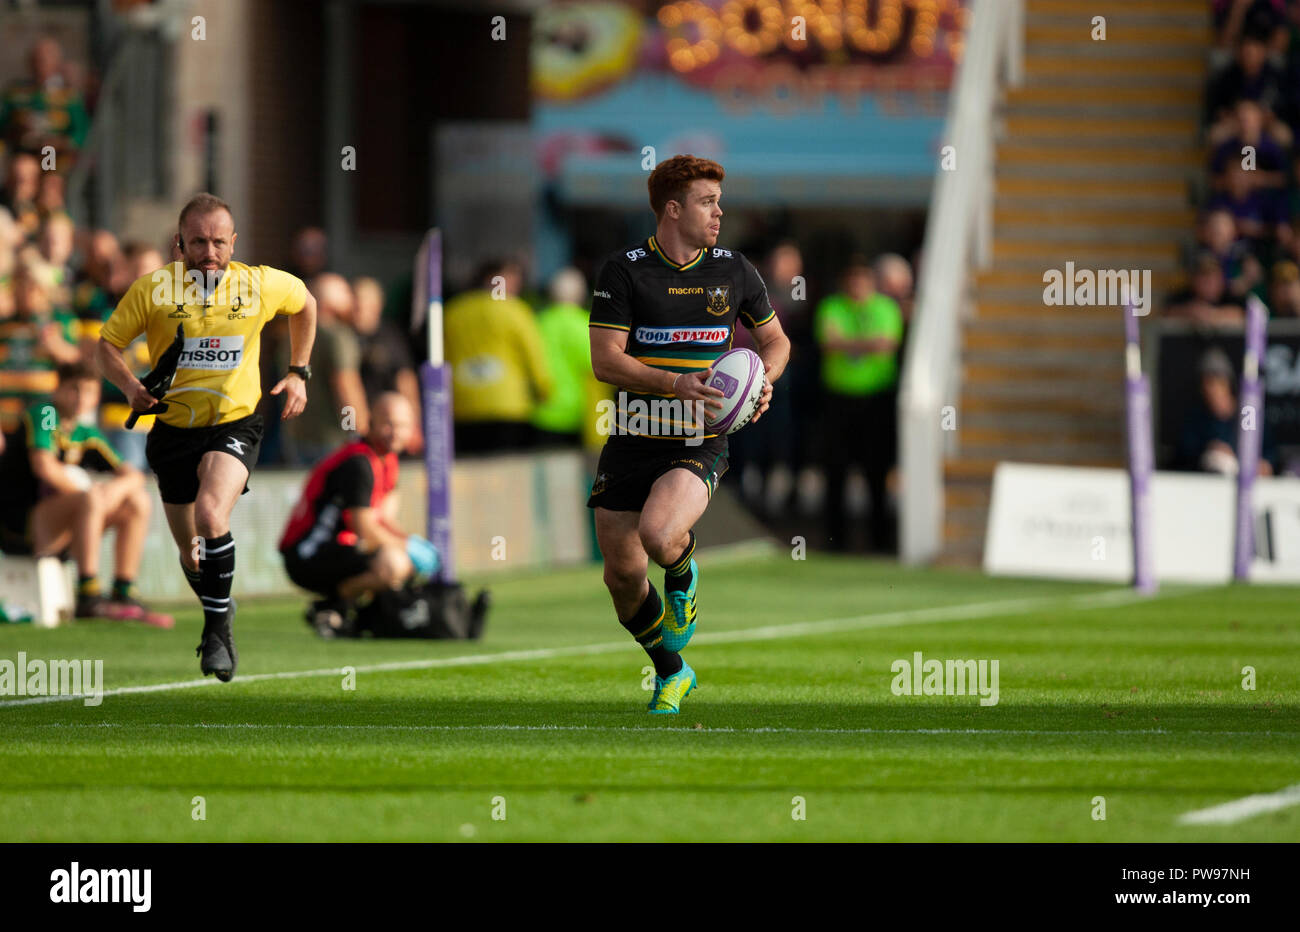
[(303, 372)]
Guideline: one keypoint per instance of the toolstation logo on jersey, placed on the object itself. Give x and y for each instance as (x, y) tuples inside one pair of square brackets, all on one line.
[(212, 352), (658, 336)]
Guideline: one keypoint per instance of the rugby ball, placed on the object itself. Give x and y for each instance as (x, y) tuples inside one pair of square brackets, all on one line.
[(740, 376)]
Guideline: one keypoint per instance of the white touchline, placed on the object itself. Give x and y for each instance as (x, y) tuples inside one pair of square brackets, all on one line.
[(1245, 808), (909, 616), (688, 730)]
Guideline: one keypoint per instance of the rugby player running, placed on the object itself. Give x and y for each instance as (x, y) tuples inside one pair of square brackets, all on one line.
[(662, 312)]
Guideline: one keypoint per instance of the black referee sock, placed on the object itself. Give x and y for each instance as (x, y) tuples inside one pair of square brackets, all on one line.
[(645, 627), (216, 573), (677, 575), (192, 577)]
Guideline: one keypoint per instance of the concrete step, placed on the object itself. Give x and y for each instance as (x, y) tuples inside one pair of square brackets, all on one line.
[(1017, 306), (1066, 150), (1026, 362), (1045, 211), (1182, 10), (1125, 130), (1004, 283), (977, 336), (1063, 202), (1053, 253), (974, 401), (1050, 63), (1027, 372), (1109, 97), (1064, 171), (1046, 324), (1117, 73), (1071, 424), (1047, 450), (1068, 231), (1102, 393)]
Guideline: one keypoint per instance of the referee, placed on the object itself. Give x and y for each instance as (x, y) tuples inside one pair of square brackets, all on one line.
[(204, 445)]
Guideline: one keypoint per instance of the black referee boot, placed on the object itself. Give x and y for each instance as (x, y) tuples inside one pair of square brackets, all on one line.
[(216, 648)]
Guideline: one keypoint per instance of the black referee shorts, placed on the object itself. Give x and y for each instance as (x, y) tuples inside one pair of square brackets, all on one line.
[(629, 466), (174, 453)]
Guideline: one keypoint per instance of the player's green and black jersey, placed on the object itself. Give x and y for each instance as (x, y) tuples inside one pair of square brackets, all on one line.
[(677, 317), (41, 429)]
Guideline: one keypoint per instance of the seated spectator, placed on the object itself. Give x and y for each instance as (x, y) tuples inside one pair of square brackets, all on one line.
[(1251, 75), (92, 297), (56, 504), (343, 541), (386, 364), (1265, 18), (56, 242), (1218, 236), (22, 185), (498, 363), (33, 342), (1208, 439), (1284, 290), (1206, 300), (1260, 214), (43, 110), (340, 401), (309, 253), (1251, 126)]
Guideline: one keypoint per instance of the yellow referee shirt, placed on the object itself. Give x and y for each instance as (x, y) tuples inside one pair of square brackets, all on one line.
[(217, 379)]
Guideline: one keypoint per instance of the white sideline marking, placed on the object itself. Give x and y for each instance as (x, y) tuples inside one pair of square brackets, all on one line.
[(765, 633), (1245, 808), (722, 729)]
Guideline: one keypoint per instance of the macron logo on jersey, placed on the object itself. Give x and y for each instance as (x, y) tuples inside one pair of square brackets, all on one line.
[(665, 335), (212, 353)]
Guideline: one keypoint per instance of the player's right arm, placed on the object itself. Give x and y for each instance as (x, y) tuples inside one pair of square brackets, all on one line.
[(609, 326), (373, 530), (127, 322)]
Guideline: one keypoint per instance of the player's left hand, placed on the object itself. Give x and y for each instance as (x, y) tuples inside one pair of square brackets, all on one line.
[(296, 395), (764, 401)]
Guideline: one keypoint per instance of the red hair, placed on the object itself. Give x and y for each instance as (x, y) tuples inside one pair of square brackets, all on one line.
[(672, 178)]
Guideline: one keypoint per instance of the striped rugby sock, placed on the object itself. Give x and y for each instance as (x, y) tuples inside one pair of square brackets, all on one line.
[(645, 627), (677, 575), (216, 573)]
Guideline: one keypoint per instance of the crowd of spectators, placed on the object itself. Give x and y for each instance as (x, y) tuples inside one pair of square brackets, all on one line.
[(1248, 240)]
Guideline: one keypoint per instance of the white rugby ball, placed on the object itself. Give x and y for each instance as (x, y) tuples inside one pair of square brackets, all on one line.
[(740, 376)]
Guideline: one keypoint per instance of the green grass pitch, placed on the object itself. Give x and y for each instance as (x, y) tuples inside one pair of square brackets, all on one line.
[(543, 723)]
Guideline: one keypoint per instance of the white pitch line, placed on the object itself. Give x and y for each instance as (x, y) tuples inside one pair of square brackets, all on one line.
[(722, 729), (961, 612), (1241, 809)]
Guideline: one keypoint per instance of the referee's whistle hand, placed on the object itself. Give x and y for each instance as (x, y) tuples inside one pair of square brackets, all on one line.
[(140, 399), (295, 395)]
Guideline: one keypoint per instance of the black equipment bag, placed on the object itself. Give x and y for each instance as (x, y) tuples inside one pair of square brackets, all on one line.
[(427, 610)]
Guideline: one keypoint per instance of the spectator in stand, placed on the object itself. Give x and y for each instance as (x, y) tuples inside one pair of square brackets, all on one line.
[(1208, 439), (1251, 75), (137, 260), (1241, 269), (33, 342), (53, 503), (92, 295), (1206, 299), (22, 185), (44, 110), (1265, 18), (1284, 291), (386, 363), (1261, 215), (56, 242), (1250, 125), (498, 363), (859, 331), (339, 411)]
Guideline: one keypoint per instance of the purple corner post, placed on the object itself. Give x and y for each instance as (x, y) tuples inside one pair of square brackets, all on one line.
[(1249, 436), (435, 396), (1140, 454)]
